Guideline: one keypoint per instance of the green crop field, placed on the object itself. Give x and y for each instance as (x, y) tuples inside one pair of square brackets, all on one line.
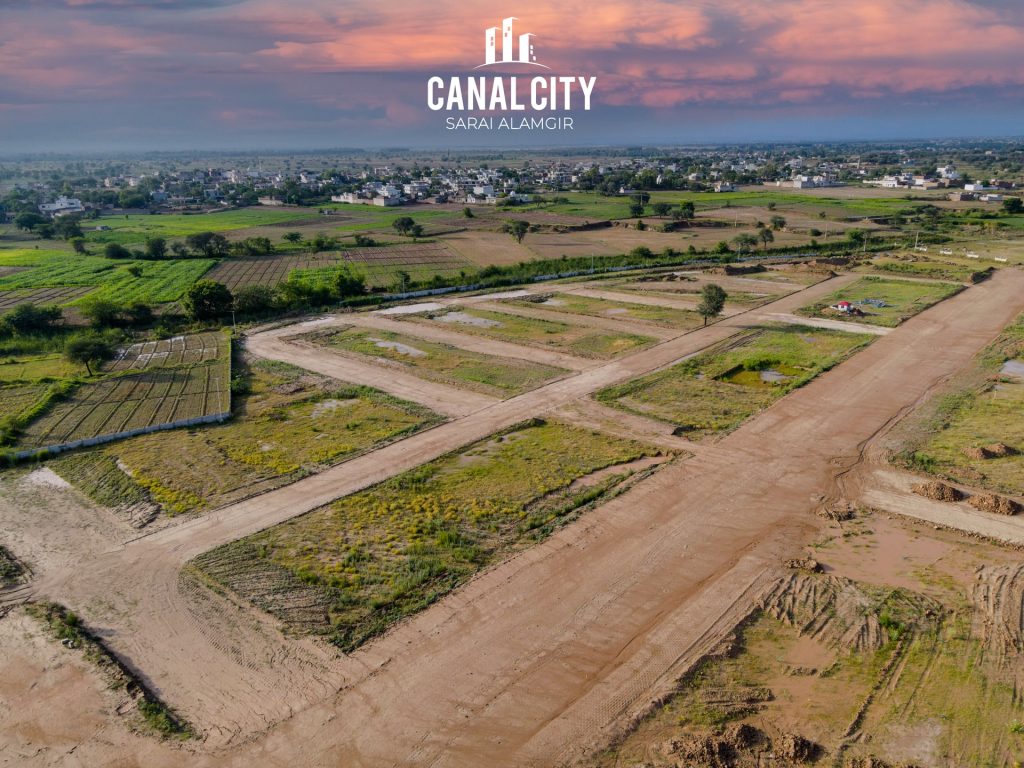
[(594, 307), (575, 339), (444, 363), (353, 568), (717, 390), (901, 300), (135, 228), (159, 281), (291, 423), (35, 367)]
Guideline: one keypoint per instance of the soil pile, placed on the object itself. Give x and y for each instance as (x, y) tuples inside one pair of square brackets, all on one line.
[(991, 502), (938, 491)]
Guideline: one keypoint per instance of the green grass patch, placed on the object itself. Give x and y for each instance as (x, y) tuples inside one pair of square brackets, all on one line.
[(382, 554), (669, 317), (35, 368), (715, 391), (10, 568), (134, 229), (901, 300), (572, 338), (443, 363)]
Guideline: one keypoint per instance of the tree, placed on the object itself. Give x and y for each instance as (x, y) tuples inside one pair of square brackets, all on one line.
[(208, 299), (766, 237), (32, 318), (1013, 205), (292, 237), (28, 221), (403, 225), (88, 348), (517, 229), (212, 245), (856, 236), (636, 209), (745, 241), (347, 283), (685, 211), (254, 299), (139, 314), (416, 231), (156, 248), (116, 251), (68, 227), (661, 209), (712, 301), (468, 212), (778, 222), (179, 251), (364, 241), (771, 205), (721, 247), (78, 244), (101, 313), (324, 242)]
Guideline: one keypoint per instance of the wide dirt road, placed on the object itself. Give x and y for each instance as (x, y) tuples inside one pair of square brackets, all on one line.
[(534, 660)]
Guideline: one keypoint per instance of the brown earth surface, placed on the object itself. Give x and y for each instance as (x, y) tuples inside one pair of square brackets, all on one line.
[(543, 657)]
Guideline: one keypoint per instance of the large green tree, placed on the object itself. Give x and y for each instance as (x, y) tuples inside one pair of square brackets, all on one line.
[(208, 300), (712, 301)]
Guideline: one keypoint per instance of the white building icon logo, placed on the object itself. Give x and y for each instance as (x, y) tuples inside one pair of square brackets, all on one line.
[(527, 54)]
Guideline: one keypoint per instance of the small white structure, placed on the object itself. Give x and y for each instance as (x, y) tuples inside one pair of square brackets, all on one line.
[(61, 206)]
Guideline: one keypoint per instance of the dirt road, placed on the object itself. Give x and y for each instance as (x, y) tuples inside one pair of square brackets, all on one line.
[(536, 659)]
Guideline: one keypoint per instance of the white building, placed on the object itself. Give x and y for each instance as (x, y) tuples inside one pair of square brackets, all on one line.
[(61, 206)]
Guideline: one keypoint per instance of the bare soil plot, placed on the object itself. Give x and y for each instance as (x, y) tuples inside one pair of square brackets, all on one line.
[(491, 375), (715, 391), (267, 270), (351, 570), (881, 301), (575, 339), (573, 304), (911, 265), (58, 296)]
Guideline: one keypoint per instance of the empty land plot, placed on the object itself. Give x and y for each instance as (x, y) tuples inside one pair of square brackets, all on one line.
[(133, 401), (669, 317), (443, 363), (291, 423), (716, 390), (132, 229), (691, 290), (175, 351), (57, 296), (352, 569), (267, 270), (909, 266), (975, 432), (882, 301), (575, 339)]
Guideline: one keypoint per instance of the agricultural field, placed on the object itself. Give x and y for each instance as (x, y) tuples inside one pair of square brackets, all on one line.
[(575, 339), (157, 281), (290, 424), (35, 368), (267, 270), (715, 391), (883, 301), (176, 351), (57, 296), (383, 267), (134, 229), (684, 287), (974, 433), (352, 569), (133, 401), (16, 399), (443, 363), (569, 303)]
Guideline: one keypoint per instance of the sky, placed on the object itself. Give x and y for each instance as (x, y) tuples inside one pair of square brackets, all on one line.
[(135, 75)]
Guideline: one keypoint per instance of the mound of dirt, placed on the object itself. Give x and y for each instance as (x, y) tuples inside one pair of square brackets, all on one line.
[(994, 451), (837, 511), (998, 598), (991, 502), (874, 762), (832, 609), (808, 564), (796, 749), (938, 491), (741, 745)]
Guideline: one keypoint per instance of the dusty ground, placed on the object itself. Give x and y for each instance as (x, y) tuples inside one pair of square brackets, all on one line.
[(581, 632)]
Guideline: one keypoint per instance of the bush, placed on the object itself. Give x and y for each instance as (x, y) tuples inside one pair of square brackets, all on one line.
[(208, 300)]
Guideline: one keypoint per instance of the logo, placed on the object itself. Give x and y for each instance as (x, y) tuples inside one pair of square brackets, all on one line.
[(527, 53), (482, 102)]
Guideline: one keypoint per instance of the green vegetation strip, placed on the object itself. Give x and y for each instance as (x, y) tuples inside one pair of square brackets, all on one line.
[(714, 392), (352, 569), (65, 626)]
